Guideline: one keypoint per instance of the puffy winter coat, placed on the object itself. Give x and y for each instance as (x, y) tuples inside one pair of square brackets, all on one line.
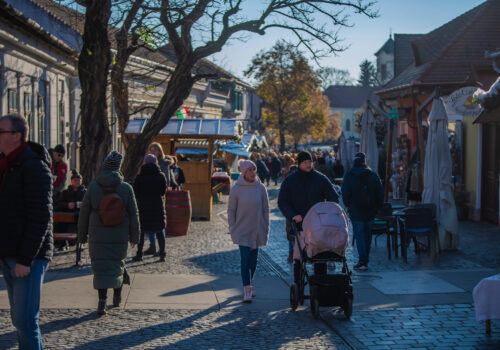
[(26, 207), (149, 187), (301, 190), (108, 244)]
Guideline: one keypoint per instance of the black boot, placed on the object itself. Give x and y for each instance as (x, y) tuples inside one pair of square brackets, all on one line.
[(117, 299), (101, 307), (137, 257)]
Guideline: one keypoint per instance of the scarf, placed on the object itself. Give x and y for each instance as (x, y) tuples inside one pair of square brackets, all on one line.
[(6, 161)]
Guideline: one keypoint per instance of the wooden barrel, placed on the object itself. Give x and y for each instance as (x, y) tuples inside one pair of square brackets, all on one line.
[(178, 207)]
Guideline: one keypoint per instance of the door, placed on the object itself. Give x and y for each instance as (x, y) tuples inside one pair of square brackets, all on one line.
[(490, 172)]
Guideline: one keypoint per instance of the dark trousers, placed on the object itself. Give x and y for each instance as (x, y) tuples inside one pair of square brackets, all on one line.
[(161, 242), (117, 292)]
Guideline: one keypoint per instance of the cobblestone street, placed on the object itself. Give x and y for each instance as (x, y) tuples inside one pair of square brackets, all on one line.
[(381, 320)]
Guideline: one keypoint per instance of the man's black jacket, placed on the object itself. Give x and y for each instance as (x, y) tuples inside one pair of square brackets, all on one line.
[(26, 207), (301, 190)]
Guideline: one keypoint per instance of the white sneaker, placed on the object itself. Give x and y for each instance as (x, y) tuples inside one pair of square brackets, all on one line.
[(252, 291)]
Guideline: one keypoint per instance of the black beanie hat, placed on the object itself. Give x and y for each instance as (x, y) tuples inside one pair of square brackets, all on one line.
[(75, 174), (360, 159), (112, 161), (60, 149), (304, 155)]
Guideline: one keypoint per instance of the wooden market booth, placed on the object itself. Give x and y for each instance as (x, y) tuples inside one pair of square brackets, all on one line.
[(180, 133)]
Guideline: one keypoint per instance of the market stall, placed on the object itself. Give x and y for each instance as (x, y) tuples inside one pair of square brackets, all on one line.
[(197, 162)]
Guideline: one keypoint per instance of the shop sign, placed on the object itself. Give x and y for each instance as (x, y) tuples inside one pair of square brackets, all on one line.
[(460, 102)]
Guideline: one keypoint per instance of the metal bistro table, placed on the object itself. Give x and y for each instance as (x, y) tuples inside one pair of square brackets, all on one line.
[(398, 213)]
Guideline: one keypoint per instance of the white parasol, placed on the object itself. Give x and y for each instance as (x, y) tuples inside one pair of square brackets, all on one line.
[(369, 139), (437, 176)]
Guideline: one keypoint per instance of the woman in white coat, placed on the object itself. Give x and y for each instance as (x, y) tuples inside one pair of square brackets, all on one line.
[(248, 217)]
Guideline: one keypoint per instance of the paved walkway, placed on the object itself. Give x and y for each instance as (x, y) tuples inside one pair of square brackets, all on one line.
[(194, 299)]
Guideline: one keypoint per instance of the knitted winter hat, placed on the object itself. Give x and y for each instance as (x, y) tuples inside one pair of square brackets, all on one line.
[(75, 174), (302, 156), (112, 161), (60, 149), (150, 158), (245, 165), (359, 159)]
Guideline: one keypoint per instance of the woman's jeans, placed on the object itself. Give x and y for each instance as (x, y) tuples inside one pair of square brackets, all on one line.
[(24, 298), (363, 236), (160, 235), (248, 264)]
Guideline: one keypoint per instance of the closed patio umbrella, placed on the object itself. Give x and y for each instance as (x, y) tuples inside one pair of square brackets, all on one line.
[(369, 139), (438, 175)]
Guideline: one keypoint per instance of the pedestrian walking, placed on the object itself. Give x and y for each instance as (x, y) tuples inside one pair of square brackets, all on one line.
[(248, 218), (262, 170), (363, 197), (26, 238), (166, 164), (299, 192), (149, 187), (275, 168), (59, 169), (108, 221)]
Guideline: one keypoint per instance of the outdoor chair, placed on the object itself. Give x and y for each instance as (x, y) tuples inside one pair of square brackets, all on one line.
[(418, 221), (383, 224)]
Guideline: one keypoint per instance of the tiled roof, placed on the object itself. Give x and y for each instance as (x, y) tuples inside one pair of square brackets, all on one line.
[(454, 52), (403, 53), (388, 47), (348, 96)]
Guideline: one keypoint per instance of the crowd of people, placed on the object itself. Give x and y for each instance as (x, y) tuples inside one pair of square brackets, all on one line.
[(276, 166), (113, 214)]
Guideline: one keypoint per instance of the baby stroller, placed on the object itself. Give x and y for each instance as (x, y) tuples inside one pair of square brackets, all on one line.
[(324, 239)]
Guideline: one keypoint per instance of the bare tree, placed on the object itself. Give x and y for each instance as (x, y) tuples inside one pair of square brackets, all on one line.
[(196, 29)]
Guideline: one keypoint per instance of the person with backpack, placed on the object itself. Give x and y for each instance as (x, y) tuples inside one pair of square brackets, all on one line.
[(363, 197), (299, 192), (149, 187), (108, 220)]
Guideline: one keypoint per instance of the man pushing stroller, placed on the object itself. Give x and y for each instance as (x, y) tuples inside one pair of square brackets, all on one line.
[(299, 192)]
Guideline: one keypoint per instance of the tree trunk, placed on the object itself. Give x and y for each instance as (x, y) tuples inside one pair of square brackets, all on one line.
[(281, 124), (93, 73), (120, 96), (178, 89)]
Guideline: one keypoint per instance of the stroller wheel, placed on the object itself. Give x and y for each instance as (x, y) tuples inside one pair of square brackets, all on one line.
[(294, 296), (348, 307), (315, 302)]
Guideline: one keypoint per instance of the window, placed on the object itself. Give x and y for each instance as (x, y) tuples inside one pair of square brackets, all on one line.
[(60, 124), (347, 125), (41, 118), (384, 72), (28, 114), (237, 100), (13, 103)]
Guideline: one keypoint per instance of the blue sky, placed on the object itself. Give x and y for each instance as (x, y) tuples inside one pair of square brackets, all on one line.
[(365, 38)]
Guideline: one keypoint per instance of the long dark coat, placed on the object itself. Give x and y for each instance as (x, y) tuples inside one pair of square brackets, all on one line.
[(149, 187)]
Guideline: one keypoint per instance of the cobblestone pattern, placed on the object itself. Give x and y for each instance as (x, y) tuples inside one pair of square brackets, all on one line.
[(206, 249), (424, 327), (179, 329), (475, 239)]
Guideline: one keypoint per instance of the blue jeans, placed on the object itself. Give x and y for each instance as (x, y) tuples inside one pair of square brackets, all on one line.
[(363, 237), (248, 264), (24, 298), (151, 234)]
